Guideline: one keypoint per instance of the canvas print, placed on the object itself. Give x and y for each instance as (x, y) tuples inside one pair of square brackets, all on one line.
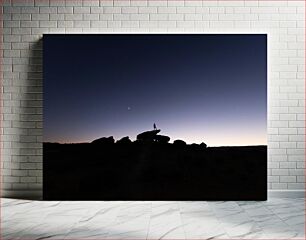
[(155, 117)]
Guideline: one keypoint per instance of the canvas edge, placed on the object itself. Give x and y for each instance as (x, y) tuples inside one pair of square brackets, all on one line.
[(38, 194)]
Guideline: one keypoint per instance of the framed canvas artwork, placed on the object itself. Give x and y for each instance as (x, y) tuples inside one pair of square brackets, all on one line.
[(155, 117)]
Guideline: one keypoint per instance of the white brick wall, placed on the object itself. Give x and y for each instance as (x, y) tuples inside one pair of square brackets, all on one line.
[(24, 22)]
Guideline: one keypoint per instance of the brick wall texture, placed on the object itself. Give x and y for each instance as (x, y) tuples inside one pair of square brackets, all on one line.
[(24, 22)]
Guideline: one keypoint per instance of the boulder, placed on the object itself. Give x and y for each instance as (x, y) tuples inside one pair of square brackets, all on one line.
[(179, 143), (148, 136), (162, 139), (104, 140), (124, 140), (203, 145)]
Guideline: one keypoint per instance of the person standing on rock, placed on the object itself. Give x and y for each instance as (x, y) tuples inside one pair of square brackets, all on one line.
[(154, 126)]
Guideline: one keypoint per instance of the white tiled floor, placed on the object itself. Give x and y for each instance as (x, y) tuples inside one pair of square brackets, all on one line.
[(274, 219)]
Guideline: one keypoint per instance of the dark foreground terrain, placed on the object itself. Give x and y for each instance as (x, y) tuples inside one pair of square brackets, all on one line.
[(154, 171)]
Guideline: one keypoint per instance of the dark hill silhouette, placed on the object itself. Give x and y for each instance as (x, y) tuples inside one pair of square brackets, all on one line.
[(151, 168)]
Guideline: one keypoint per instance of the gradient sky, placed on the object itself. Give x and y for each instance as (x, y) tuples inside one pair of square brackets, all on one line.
[(210, 88)]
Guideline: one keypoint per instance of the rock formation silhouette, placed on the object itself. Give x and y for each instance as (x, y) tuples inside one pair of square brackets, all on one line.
[(203, 145), (124, 140), (148, 136), (162, 139), (104, 140), (151, 168), (152, 136), (179, 143)]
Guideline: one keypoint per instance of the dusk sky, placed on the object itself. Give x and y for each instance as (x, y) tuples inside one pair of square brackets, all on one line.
[(199, 88)]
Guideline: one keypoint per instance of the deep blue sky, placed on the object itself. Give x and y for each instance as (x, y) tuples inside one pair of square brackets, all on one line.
[(210, 88)]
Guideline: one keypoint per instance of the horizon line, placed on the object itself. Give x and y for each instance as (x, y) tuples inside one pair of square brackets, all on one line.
[(248, 145)]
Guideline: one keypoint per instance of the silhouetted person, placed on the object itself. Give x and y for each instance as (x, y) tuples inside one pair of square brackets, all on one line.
[(154, 126)]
